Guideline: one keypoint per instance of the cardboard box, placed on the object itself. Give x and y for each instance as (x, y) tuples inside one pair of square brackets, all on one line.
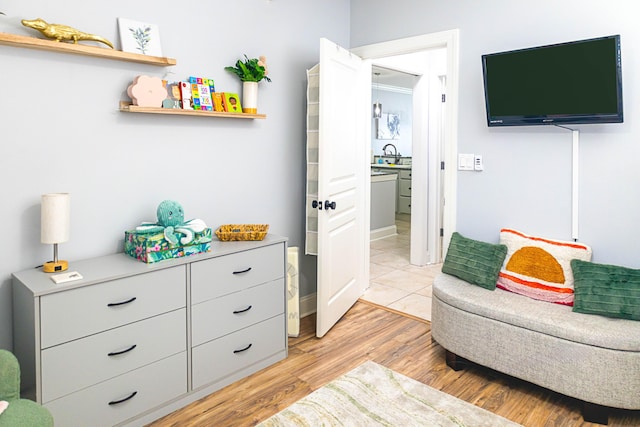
[(153, 247)]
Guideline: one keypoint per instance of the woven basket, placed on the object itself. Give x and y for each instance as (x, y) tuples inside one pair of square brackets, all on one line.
[(231, 232)]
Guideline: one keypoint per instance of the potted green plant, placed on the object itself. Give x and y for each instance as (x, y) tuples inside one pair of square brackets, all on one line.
[(250, 72)]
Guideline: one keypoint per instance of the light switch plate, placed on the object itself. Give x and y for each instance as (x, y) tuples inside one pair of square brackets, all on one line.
[(477, 162), (465, 162)]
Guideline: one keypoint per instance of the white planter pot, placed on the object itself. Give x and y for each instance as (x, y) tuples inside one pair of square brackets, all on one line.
[(250, 97)]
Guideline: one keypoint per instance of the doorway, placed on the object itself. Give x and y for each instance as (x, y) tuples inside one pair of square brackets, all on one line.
[(421, 73), (445, 180), (391, 149)]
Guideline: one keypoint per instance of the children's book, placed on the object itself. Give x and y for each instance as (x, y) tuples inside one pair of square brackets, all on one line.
[(185, 92), (217, 101), (201, 90), (231, 102)]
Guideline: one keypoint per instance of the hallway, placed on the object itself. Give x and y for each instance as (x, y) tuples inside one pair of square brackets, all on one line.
[(394, 282)]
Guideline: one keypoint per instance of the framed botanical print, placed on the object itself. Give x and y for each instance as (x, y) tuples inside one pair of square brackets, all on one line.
[(139, 37)]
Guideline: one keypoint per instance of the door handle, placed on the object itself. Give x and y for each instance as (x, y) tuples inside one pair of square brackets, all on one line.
[(329, 205), (315, 205)]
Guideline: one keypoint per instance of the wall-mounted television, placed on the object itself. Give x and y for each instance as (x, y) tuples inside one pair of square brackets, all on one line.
[(567, 83)]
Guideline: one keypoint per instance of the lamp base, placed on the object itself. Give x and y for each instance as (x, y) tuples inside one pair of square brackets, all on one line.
[(55, 266)]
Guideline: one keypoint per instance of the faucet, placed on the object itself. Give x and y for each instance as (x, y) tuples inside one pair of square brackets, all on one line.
[(396, 155)]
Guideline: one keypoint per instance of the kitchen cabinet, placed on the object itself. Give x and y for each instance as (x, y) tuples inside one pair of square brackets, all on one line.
[(403, 190), (383, 197)]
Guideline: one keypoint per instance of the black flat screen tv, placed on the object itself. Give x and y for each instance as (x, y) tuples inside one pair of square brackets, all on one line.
[(567, 83)]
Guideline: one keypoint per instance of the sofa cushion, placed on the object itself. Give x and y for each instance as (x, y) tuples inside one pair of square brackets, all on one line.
[(551, 319), (607, 290), (538, 267), (474, 261)]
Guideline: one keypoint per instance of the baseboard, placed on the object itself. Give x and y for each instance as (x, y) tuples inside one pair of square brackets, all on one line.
[(382, 232), (308, 305)]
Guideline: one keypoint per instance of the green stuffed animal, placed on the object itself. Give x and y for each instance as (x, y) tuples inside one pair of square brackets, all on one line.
[(171, 222)]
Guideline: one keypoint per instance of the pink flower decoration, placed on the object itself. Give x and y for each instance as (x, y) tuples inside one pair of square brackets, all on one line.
[(147, 91)]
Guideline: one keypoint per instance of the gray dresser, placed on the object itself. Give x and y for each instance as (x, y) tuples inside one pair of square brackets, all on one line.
[(131, 342)]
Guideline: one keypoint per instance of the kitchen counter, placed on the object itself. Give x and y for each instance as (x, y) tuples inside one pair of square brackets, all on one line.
[(389, 166)]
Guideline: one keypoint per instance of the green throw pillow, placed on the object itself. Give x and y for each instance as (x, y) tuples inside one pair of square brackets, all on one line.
[(607, 290), (474, 261)]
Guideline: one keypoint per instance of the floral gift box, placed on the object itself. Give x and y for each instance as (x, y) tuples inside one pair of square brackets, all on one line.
[(153, 247)]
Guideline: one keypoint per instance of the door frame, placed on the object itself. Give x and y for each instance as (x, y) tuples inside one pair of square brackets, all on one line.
[(450, 41)]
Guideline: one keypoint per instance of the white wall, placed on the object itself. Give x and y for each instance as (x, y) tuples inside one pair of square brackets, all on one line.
[(61, 130), (527, 179)]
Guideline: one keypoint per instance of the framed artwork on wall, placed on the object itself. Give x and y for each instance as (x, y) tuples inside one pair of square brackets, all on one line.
[(388, 126), (139, 37)]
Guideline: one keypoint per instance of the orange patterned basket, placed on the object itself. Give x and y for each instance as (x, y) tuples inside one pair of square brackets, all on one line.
[(230, 232)]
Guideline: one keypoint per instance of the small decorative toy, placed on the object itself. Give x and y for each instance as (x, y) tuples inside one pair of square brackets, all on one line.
[(171, 222), (63, 33)]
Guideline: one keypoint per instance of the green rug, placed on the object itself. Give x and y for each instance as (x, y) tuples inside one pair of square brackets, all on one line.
[(372, 395)]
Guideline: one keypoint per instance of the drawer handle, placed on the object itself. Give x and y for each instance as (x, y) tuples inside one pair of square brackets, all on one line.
[(242, 349), (114, 304), (115, 353), (243, 311), (243, 271), (115, 402)]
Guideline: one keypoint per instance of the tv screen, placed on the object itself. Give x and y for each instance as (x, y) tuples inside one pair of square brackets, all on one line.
[(567, 83)]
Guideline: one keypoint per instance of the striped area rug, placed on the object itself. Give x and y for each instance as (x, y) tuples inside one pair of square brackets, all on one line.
[(372, 395)]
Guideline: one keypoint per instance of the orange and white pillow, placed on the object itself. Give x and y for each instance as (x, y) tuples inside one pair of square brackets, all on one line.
[(540, 268)]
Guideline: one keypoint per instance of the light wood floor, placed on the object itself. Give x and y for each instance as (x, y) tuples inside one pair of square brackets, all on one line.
[(400, 342)]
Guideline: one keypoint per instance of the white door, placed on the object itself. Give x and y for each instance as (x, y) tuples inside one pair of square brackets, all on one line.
[(343, 182)]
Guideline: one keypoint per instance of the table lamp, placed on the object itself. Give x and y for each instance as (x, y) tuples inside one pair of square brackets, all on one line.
[(55, 224)]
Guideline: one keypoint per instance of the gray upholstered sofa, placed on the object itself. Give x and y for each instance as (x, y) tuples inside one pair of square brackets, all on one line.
[(588, 357)]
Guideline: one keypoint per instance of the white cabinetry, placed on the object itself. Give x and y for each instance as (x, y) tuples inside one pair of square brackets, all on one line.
[(131, 342), (404, 191)]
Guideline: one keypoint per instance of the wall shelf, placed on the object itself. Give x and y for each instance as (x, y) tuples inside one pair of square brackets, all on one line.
[(79, 49), (126, 107)]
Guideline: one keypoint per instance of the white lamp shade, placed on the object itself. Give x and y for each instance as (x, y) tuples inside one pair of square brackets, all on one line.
[(55, 218)]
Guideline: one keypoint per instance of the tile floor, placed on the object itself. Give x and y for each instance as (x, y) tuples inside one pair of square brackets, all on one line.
[(394, 282)]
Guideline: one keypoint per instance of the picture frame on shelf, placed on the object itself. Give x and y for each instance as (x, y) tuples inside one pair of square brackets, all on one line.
[(139, 37)]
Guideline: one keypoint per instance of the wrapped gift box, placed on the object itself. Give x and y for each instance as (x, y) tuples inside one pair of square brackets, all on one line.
[(153, 247)]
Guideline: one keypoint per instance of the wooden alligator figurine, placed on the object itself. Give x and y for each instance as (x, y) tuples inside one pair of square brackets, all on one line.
[(63, 32)]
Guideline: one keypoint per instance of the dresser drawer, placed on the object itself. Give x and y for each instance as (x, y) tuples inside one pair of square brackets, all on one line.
[(153, 385), (231, 273), (76, 313), (79, 364), (221, 316), (222, 357)]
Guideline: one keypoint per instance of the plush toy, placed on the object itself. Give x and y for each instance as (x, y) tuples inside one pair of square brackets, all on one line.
[(171, 221)]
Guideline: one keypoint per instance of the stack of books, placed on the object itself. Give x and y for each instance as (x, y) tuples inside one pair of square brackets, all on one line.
[(199, 93)]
